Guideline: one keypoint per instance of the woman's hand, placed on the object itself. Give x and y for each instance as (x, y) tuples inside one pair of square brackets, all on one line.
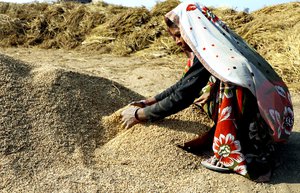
[(132, 116), (144, 103), (141, 103), (203, 98)]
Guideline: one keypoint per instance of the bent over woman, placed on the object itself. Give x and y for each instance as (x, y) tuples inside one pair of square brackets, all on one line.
[(249, 103)]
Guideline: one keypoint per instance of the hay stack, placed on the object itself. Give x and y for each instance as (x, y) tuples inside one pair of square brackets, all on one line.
[(162, 8), (274, 33), (132, 30), (233, 19), (139, 39), (163, 42), (118, 34), (12, 31), (61, 25), (102, 28), (25, 12)]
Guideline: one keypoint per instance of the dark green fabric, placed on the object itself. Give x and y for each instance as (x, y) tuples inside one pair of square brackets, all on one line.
[(180, 95)]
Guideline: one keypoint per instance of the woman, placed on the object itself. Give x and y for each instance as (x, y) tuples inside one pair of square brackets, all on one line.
[(249, 103)]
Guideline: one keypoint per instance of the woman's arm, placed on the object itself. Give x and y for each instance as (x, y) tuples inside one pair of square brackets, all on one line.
[(180, 95), (174, 99)]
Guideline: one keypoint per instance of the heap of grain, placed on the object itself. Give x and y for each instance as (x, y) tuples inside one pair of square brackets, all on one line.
[(59, 124), (47, 115)]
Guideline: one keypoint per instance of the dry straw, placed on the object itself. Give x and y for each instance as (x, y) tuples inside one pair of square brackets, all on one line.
[(103, 28), (274, 33)]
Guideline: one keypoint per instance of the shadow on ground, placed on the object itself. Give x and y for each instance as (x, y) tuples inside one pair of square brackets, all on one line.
[(289, 170)]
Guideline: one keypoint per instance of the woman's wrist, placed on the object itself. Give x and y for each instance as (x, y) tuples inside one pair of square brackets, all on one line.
[(140, 115), (149, 101), (136, 114)]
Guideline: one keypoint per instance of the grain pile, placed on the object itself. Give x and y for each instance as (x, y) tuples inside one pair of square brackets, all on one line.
[(58, 129), (47, 115)]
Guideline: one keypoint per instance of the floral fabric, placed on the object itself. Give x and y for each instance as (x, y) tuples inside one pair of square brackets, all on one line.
[(242, 141)]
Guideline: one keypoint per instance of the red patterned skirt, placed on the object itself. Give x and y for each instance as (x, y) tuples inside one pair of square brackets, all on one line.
[(242, 141)]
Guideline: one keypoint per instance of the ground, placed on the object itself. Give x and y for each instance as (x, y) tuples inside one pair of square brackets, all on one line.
[(148, 75)]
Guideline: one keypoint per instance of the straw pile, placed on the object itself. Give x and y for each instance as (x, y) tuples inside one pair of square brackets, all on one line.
[(50, 26), (130, 31), (104, 28), (13, 29), (116, 34), (275, 33)]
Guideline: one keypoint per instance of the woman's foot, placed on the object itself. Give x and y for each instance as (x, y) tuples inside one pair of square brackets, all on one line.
[(201, 143), (213, 164), (265, 177)]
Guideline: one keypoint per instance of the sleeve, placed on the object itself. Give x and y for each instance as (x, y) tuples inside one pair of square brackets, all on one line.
[(181, 95), (168, 91)]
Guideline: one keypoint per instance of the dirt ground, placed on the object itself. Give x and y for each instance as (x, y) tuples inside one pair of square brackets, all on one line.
[(178, 171)]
